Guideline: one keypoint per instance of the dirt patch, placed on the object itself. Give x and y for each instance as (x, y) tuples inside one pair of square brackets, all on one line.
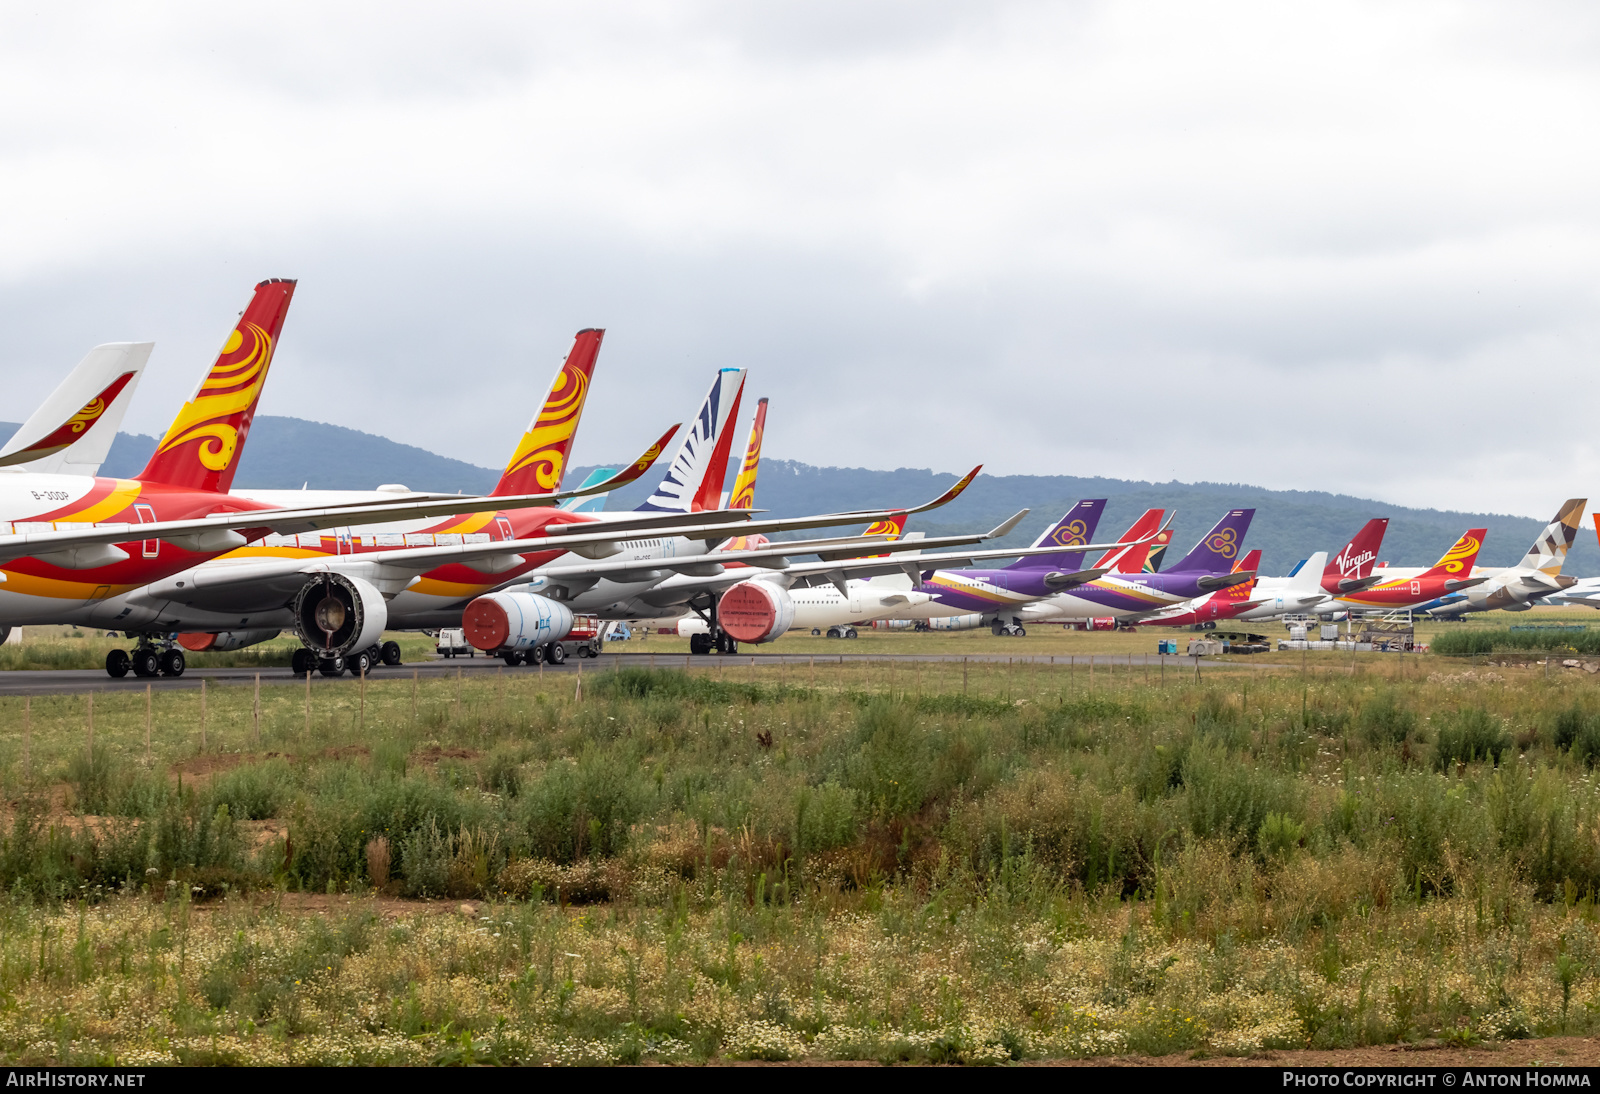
[(345, 752), (207, 764), (433, 754), (260, 833), (1546, 1051), (390, 907)]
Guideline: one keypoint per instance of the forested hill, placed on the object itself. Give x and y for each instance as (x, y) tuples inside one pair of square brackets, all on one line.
[(286, 453), (1289, 524)]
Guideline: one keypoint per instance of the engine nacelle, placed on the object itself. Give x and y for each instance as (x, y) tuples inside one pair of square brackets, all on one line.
[(894, 624), (223, 641), (515, 621), (755, 611), (955, 622), (335, 615)]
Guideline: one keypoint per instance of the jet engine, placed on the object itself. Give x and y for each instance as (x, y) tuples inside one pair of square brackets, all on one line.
[(223, 641), (335, 615), (515, 621), (755, 611), (955, 622)]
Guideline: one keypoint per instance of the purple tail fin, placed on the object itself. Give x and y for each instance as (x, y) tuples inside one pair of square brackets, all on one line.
[(1073, 530), (1219, 548)]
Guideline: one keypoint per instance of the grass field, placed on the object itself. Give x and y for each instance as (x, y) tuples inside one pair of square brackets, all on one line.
[(875, 860)]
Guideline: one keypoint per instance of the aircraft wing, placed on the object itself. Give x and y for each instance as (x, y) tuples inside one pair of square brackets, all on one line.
[(96, 545)]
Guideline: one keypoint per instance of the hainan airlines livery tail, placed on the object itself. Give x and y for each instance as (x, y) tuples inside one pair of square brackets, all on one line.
[(201, 451), (72, 431), (743, 495), (541, 456)]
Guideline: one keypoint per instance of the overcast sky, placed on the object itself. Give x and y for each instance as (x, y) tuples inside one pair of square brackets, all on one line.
[(1343, 247)]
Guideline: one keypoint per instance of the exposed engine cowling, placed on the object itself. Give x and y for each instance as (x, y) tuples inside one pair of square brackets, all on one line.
[(335, 614), (955, 622), (515, 621), (755, 611), (223, 641)]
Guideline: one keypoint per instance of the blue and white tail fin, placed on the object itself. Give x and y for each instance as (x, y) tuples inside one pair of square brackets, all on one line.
[(694, 478), (1307, 576), (593, 503), (1073, 530)]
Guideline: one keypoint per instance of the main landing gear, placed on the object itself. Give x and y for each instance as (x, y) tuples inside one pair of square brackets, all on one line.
[(304, 661), (149, 658), (717, 639), (1008, 630)]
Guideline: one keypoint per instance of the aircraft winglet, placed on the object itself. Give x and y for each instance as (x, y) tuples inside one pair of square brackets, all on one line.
[(628, 474), (952, 494), (1005, 527)]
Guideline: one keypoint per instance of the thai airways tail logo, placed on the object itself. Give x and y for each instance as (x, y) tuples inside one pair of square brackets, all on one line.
[(1224, 543), (744, 484), (1073, 533)]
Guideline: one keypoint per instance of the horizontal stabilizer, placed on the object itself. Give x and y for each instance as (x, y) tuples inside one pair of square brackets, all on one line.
[(1213, 582), (1059, 581)]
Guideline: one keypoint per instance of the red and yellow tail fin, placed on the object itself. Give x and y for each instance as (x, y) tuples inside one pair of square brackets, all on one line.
[(1130, 560), (1459, 559), (744, 486), (541, 456), (1251, 562), (201, 451), (893, 527)]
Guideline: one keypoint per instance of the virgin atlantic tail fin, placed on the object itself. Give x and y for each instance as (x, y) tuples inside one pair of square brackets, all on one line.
[(72, 431), (1218, 548), (1073, 530), (1353, 565), (202, 448), (743, 495), (541, 456), (693, 482)]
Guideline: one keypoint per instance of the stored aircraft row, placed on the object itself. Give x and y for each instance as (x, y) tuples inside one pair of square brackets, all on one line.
[(177, 559)]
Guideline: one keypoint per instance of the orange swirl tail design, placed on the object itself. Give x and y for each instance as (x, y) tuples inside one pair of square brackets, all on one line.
[(541, 457), (744, 486), (1458, 560), (201, 451)]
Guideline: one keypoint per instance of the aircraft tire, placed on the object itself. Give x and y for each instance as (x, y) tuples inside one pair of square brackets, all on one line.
[(173, 663), (1021, 633), (359, 663), (555, 653), (118, 663), (512, 658), (390, 652), (851, 633), (815, 631), (331, 666), (146, 663), (302, 662), (699, 644)]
